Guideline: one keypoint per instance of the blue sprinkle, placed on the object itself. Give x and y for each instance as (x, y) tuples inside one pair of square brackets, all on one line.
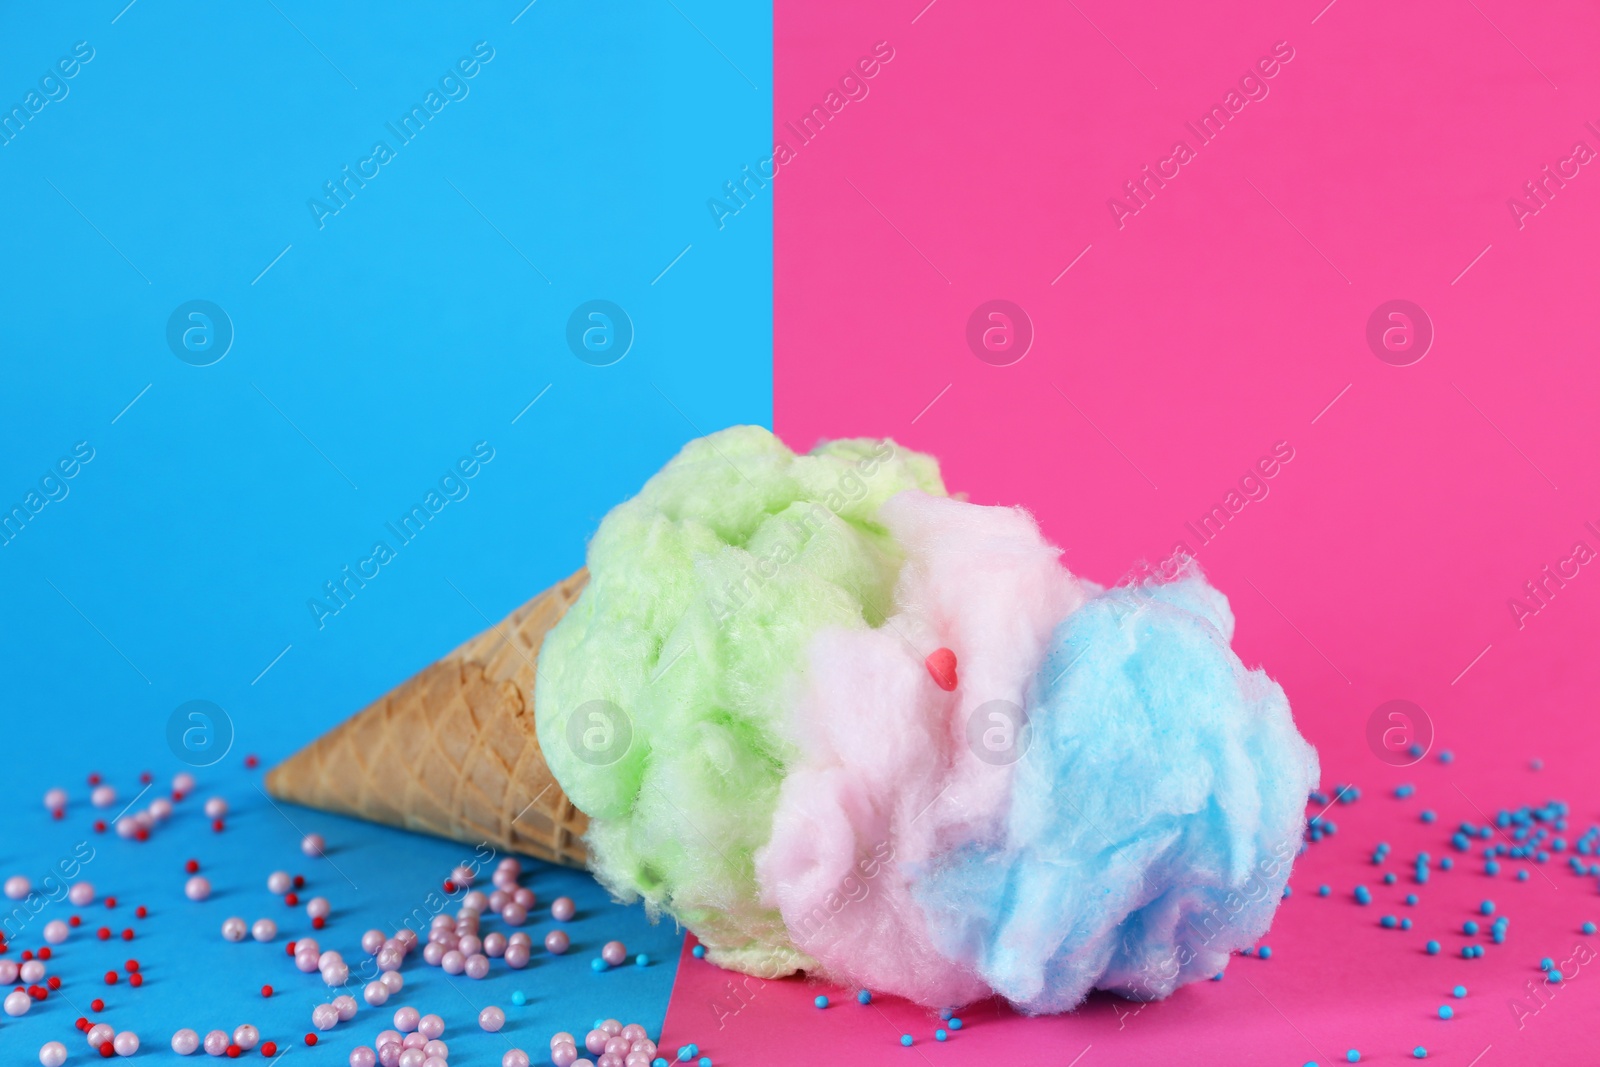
[(1466, 952), (940, 1035), (1415, 751), (1459, 991), (659, 1061), (864, 997), (1287, 892), (1389, 878), (684, 1055), (821, 1002), (1217, 977), (1446, 863), (519, 998), (1546, 963), (1447, 756), (1522, 875), (905, 1039), (1537, 764), (599, 964), (641, 960), (1491, 868), (705, 1061), (1403, 791), (1433, 948), (1389, 922), (1469, 927), (1265, 952), (1487, 907), (1420, 1053), (1553, 976), (945, 1013), (1588, 928), (1411, 898), (1405, 924), (1446, 1012), (1353, 1056), (955, 1024), (1323, 890), (1363, 895)]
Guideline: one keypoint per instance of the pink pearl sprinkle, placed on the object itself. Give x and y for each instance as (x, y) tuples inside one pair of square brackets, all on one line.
[(372, 941), (521, 937), (233, 929), (362, 1056), (476, 901), (185, 1042), (517, 956), (636, 1059), (565, 1056), (305, 958), (319, 908), (375, 993), (279, 882), (81, 894), (346, 1007), (405, 1020), (498, 899), (436, 1048), (407, 937), (635, 1032), (432, 953), (386, 1036), (389, 959), (125, 1043), (491, 1019), (394, 980), (56, 931), (556, 942), (416, 1041), (513, 913), (562, 909), (614, 953), (494, 946), (100, 1033), (324, 1017), (216, 1042), (216, 808), (389, 1053), (412, 1057), (103, 796), (430, 1026), (595, 1041), (612, 1027), (313, 845), (515, 1057), (197, 888), (246, 1036), (435, 1061), (608, 1060), (453, 962), (477, 966), (31, 971), (618, 1046)]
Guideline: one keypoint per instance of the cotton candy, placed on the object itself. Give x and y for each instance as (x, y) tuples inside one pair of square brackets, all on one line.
[(659, 696), (1153, 819), (889, 779)]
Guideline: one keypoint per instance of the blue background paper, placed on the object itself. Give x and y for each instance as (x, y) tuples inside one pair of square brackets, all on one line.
[(369, 354)]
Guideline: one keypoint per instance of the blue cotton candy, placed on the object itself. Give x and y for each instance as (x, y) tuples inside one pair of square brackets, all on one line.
[(1153, 819)]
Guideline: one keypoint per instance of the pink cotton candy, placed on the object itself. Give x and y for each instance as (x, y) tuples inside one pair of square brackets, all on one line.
[(889, 778)]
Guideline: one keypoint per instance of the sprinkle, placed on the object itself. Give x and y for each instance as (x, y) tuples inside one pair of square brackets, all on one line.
[(1323, 891), (1353, 1056), (1447, 756), (1389, 922), (641, 960), (821, 1002), (1588, 928), (940, 1035), (519, 998), (1265, 952), (1433, 948), (1487, 907), (955, 1024), (1363, 895), (1446, 1011), (699, 952), (1459, 991), (864, 997), (1428, 815), (1469, 928), (1420, 1053), (905, 1039)]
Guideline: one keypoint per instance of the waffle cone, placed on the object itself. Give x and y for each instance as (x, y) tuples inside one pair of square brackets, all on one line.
[(451, 751)]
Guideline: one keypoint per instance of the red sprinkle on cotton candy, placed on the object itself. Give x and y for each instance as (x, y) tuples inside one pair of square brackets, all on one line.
[(941, 664)]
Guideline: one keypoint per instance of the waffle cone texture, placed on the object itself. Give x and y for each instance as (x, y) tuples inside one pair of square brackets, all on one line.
[(452, 750)]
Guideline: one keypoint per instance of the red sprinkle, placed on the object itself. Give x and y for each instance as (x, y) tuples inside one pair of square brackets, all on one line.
[(192, 866), (266, 991), (38, 992), (127, 935), (233, 1052), (94, 779), (99, 826), (289, 949), (941, 664), (449, 886), (44, 953), (146, 778), (217, 825), (269, 1048), (97, 1004), (27, 954), (111, 978), (177, 796), (132, 966), (75, 921), (111, 902), (311, 1039), (107, 1049), (82, 1024), (141, 834), (104, 933), (291, 899), (136, 980), (54, 981), (59, 813), (251, 761), (141, 911), (299, 881), (318, 923)]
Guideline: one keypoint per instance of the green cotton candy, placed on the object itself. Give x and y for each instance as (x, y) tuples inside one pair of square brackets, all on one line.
[(660, 695)]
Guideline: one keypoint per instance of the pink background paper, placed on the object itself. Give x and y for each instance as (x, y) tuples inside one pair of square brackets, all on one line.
[(1230, 313)]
